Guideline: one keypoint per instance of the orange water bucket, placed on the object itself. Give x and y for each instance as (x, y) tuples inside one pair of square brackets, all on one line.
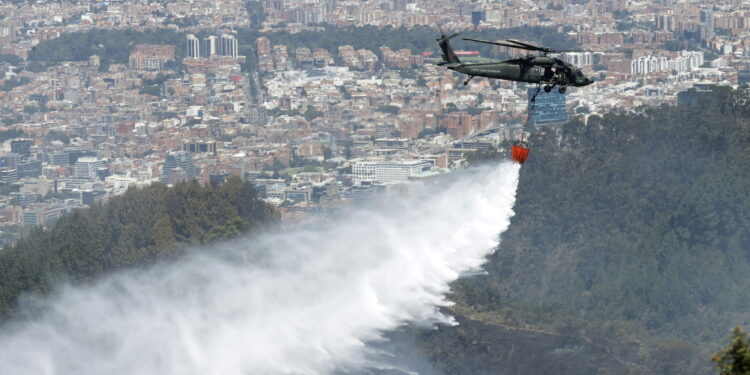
[(520, 152)]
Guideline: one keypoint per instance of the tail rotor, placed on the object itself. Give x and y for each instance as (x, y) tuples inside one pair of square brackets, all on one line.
[(449, 57), (443, 37)]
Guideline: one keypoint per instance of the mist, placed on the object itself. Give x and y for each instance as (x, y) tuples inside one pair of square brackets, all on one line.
[(307, 301)]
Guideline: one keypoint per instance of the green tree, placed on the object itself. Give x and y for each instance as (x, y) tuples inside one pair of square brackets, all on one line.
[(136, 228), (637, 220), (735, 358), (311, 114), (10, 84), (10, 59), (10, 134)]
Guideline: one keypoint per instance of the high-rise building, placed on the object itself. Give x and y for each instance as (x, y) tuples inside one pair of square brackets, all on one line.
[(7, 31), (86, 167), (477, 17), (550, 107), (8, 175), (209, 46), (263, 46), (384, 130), (176, 159), (60, 158), (393, 172), (666, 22), (228, 45), (257, 115), (76, 153), (90, 196), (23, 199), (193, 47), (707, 24), (29, 168), (21, 146), (11, 160), (199, 146), (579, 58), (34, 216)]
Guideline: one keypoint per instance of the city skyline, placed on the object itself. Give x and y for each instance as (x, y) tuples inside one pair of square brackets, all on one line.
[(228, 84)]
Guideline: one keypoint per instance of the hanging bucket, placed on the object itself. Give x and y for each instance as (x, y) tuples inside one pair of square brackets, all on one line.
[(520, 151)]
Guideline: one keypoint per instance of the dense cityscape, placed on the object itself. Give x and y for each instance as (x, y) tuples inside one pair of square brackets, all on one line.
[(315, 129)]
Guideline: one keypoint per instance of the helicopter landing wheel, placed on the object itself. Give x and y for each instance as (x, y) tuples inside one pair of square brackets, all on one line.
[(547, 88), (562, 89)]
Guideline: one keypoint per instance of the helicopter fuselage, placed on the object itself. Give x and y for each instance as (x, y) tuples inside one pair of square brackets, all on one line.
[(541, 70)]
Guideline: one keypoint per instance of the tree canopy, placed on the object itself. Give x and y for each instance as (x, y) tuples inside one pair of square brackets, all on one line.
[(136, 228), (112, 46), (636, 221), (735, 358)]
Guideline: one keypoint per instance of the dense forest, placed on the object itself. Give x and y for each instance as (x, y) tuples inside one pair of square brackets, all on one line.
[(112, 46), (140, 227), (631, 241)]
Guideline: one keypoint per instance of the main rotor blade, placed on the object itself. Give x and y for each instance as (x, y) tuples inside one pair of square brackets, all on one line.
[(550, 50), (495, 43), (530, 46)]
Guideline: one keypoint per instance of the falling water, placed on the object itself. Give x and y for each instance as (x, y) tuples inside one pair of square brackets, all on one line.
[(306, 301)]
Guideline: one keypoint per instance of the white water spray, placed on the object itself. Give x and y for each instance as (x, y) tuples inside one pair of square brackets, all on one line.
[(305, 302)]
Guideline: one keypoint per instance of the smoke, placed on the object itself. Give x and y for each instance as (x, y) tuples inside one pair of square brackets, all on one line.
[(303, 302)]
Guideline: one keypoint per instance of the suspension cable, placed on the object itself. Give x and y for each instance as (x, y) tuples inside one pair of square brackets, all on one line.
[(531, 111)]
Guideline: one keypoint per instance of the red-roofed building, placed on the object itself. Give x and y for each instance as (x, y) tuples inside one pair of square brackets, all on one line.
[(467, 53)]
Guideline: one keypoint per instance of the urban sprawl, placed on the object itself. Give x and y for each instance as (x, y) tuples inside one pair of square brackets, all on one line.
[(316, 130)]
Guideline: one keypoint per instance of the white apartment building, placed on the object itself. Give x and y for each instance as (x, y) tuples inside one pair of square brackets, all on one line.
[(121, 183), (685, 62), (578, 58), (86, 167), (388, 172)]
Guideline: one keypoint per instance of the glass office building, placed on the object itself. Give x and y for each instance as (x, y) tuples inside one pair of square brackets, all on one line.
[(550, 107)]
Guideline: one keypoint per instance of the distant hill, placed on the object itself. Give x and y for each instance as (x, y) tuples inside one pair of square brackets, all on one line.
[(138, 228)]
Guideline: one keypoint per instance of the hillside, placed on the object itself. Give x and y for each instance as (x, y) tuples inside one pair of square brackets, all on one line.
[(632, 231), (137, 228), (628, 252)]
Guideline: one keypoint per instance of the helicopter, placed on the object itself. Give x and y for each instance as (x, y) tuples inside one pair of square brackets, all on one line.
[(540, 69)]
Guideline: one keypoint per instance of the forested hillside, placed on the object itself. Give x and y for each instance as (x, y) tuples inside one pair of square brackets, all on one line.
[(631, 232), (137, 228), (112, 46)]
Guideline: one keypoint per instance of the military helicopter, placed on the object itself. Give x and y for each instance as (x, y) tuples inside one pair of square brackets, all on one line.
[(540, 69)]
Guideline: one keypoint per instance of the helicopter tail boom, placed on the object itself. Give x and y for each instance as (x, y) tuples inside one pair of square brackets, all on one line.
[(449, 57)]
